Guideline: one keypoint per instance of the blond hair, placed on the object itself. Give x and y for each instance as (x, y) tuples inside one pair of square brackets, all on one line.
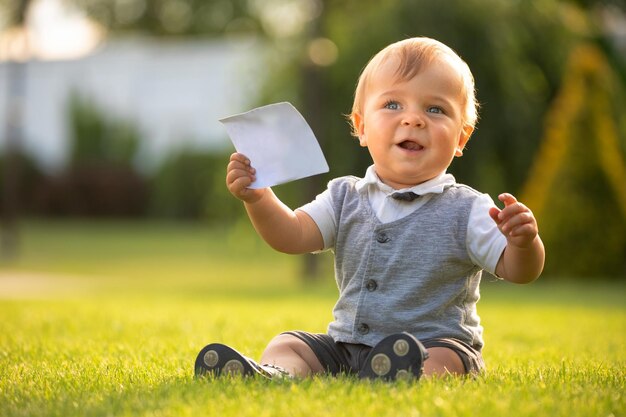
[(413, 54)]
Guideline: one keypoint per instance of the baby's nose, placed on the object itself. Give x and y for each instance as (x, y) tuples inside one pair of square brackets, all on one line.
[(413, 119)]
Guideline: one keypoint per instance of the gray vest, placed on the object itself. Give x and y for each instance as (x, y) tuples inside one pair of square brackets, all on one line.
[(413, 274)]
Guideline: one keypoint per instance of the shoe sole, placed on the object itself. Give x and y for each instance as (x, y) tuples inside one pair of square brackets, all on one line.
[(397, 357), (218, 359)]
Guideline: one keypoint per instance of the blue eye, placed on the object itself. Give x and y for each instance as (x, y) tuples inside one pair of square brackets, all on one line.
[(392, 105), (435, 109)]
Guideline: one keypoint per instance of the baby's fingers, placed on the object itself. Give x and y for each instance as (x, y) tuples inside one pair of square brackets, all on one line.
[(239, 161), (238, 169), (515, 221), (239, 165), (507, 199), (526, 229), (239, 157), (518, 224), (494, 212), (239, 175), (238, 179), (511, 208)]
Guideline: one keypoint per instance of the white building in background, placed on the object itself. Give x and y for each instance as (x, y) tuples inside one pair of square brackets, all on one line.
[(174, 92)]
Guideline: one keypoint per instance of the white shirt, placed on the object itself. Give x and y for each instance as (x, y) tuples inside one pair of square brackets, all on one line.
[(485, 243)]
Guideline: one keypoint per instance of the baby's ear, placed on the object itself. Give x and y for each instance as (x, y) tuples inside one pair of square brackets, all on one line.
[(464, 136), (358, 128)]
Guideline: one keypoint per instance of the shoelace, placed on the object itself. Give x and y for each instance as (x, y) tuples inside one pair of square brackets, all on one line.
[(275, 371)]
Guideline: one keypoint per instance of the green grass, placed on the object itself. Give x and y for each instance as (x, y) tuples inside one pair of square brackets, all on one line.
[(106, 319)]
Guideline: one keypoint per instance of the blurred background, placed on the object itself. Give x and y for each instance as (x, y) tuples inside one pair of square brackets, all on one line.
[(109, 109)]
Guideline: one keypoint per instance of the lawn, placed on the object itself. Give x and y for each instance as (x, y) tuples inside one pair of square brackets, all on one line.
[(102, 319)]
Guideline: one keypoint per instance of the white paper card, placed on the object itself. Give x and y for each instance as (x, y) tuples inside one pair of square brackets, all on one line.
[(279, 143)]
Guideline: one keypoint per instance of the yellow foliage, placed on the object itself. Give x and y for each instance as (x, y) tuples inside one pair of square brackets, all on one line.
[(577, 185), (586, 87)]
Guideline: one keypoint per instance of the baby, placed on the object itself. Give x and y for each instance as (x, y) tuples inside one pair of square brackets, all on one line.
[(410, 243)]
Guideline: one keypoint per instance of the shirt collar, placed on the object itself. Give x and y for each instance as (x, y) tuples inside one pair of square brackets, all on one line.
[(435, 185)]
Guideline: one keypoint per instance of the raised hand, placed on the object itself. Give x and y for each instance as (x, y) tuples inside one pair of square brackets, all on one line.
[(515, 221), (239, 175)]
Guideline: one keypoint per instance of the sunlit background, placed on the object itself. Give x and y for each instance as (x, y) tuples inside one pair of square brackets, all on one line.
[(109, 108)]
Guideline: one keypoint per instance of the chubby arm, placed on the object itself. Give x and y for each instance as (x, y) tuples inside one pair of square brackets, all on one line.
[(523, 258), (283, 229)]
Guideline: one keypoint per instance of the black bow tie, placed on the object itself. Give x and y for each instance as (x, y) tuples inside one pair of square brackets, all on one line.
[(407, 196)]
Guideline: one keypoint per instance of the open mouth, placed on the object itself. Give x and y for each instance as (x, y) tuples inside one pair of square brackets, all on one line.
[(410, 145)]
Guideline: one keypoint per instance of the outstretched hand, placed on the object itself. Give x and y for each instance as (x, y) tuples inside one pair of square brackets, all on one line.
[(239, 176), (515, 221)]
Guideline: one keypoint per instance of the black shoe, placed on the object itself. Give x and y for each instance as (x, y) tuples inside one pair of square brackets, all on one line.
[(399, 356), (219, 359)]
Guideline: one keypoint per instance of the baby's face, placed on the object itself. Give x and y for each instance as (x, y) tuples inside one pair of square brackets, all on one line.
[(413, 128)]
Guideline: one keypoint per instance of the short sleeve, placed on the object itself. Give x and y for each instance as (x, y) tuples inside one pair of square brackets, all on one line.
[(485, 242), (322, 213)]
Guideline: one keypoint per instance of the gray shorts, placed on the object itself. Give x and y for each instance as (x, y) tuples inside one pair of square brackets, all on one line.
[(348, 358)]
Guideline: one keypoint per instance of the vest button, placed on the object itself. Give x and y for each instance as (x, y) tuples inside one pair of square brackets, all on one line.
[(363, 328), (371, 285), (382, 237)]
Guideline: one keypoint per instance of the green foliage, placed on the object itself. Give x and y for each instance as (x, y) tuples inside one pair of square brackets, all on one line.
[(100, 179), (173, 18), (576, 187), (190, 184), (99, 138), (589, 240)]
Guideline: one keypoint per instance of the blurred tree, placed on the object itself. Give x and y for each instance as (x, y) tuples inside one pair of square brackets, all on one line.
[(173, 17), (15, 13), (315, 96), (101, 179), (190, 185), (96, 138), (576, 186)]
